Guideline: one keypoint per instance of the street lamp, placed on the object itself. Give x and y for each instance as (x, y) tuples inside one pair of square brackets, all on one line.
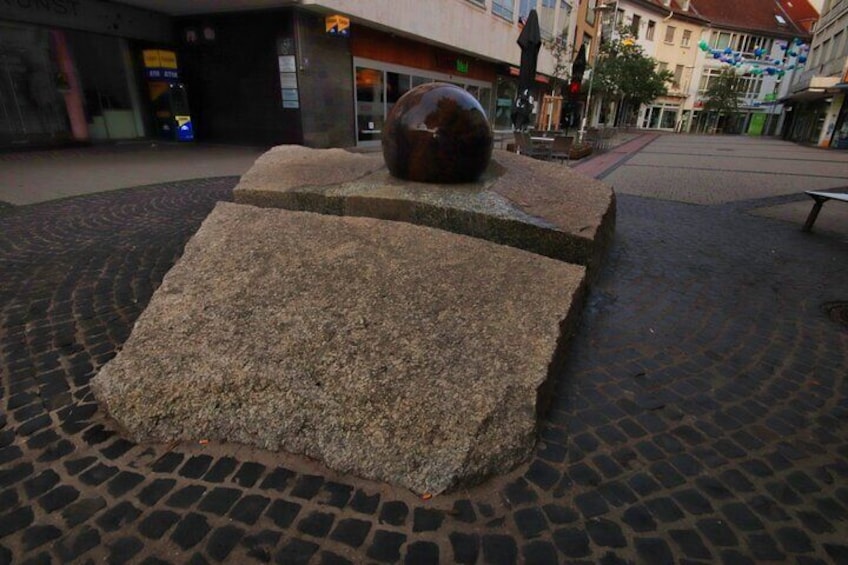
[(599, 10)]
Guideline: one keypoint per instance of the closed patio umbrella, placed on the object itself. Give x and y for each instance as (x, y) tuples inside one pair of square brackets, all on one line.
[(530, 40)]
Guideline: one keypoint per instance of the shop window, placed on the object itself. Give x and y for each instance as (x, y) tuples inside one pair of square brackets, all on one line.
[(369, 103)]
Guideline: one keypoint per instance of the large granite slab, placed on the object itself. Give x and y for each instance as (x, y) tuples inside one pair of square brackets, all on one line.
[(396, 352), (543, 207)]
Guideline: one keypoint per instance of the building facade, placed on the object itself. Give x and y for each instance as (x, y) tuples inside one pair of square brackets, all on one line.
[(816, 103), (258, 72)]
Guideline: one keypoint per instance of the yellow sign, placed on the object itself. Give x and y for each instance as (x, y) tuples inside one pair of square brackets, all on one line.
[(159, 59), (337, 25), (167, 59), (151, 58)]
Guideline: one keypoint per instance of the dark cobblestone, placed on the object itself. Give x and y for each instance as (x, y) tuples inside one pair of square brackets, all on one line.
[(716, 436)]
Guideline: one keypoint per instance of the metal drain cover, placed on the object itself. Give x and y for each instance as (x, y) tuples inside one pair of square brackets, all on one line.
[(837, 311)]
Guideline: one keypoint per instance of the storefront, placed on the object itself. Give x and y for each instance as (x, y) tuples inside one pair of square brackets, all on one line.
[(69, 73)]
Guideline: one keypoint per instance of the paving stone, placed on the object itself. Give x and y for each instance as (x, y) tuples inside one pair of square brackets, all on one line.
[(124, 549), (560, 514), (542, 475), (643, 484), (167, 463), (584, 475), (307, 486), (118, 448), (77, 544), (351, 531), (664, 509), (9, 454), (82, 510), (330, 558), (222, 542), (157, 523), (16, 474), (741, 517), (220, 470), (591, 504), (530, 522), (764, 548), (572, 542), (605, 533), (539, 552), (463, 511), (316, 524), (394, 513), (639, 519), (335, 494), (261, 546), (36, 536), (519, 492), (297, 551), (466, 547), (248, 474), (57, 451), (153, 492), (839, 553), (654, 551), (278, 479), (9, 498), (385, 546), (734, 557), (666, 474), (118, 516), (190, 531), (98, 474), (617, 494), (283, 512), (124, 482), (219, 500), (717, 532), (427, 519), (794, 540), (690, 544), (767, 508), (692, 501), (365, 503), (815, 522), (186, 496), (196, 466), (58, 498), (499, 549), (421, 552), (41, 483)]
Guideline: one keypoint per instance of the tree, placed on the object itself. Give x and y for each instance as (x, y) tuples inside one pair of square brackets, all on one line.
[(625, 74), (722, 97)]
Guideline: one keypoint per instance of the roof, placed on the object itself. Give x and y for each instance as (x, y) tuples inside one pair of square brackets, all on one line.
[(772, 17), (801, 12), (675, 6)]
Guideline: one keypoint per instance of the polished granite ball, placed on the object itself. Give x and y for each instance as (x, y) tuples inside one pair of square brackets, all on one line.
[(437, 133)]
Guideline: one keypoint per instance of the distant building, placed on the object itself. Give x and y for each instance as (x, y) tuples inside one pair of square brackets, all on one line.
[(816, 103)]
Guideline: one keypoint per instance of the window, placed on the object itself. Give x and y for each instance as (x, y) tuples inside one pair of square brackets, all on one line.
[(564, 19), (825, 51), (678, 75), (649, 33), (634, 25), (590, 12), (669, 34), (687, 38), (837, 44), (661, 66), (524, 8), (720, 40), (479, 2), (503, 8)]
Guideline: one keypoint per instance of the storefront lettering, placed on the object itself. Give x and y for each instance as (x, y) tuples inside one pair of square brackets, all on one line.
[(58, 7)]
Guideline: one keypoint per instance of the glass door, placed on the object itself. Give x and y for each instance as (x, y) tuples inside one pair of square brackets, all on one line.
[(370, 99)]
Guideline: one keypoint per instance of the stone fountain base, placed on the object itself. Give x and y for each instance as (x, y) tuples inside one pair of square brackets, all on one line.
[(393, 351)]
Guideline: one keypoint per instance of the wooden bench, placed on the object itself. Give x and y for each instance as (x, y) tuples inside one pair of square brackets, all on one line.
[(820, 198)]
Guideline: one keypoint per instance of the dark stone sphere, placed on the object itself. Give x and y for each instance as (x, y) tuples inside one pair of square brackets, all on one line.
[(437, 133)]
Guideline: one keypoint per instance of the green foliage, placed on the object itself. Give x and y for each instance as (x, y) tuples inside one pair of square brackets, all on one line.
[(559, 50), (625, 72), (723, 93)]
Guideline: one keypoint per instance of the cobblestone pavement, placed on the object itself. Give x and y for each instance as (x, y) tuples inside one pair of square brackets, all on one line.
[(703, 415)]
